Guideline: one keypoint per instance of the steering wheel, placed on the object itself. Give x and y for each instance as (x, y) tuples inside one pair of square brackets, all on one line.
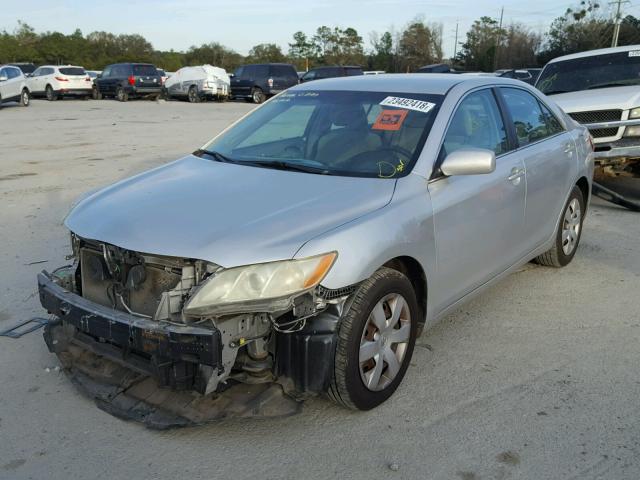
[(378, 156)]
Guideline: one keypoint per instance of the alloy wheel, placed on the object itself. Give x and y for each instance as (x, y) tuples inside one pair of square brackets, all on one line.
[(384, 341), (571, 226)]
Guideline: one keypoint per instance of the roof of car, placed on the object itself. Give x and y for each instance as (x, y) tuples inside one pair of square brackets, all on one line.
[(600, 51), (435, 83)]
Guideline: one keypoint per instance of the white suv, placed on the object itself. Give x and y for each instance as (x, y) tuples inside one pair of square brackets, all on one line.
[(53, 82), (13, 86)]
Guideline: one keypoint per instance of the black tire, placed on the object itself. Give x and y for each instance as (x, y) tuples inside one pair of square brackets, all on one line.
[(193, 95), (347, 386), (25, 98), (556, 255), (95, 93), (122, 95), (50, 94), (258, 96)]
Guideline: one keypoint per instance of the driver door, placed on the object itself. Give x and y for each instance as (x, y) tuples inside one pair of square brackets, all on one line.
[(478, 219)]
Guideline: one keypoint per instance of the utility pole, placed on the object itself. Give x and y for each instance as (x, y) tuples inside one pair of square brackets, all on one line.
[(495, 56), (455, 44), (617, 21)]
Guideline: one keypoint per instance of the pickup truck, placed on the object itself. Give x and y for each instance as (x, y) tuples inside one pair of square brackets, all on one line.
[(601, 90)]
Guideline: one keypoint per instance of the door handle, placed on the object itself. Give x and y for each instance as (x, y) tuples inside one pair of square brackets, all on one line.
[(516, 173), (568, 148)]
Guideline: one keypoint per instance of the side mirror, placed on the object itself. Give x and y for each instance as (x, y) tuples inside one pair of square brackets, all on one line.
[(3, 78), (469, 161)]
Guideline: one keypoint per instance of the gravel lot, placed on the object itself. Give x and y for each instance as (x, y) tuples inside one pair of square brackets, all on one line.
[(536, 379)]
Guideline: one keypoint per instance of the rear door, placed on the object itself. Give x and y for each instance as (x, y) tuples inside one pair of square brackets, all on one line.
[(549, 155), (146, 76), (283, 77), (34, 83), (106, 82), (478, 219), (77, 78)]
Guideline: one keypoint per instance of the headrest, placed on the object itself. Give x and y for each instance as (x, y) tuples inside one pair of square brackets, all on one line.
[(352, 116)]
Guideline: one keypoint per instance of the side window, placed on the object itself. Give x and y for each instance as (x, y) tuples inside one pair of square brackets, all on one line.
[(36, 72), (47, 71), (553, 125), (477, 123), (249, 72), (529, 122), (281, 71), (310, 75), (3, 72), (106, 72), (13, 72)]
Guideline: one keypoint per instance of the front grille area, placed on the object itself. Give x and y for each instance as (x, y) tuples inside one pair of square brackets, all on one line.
[(603, 132), (597, 116)]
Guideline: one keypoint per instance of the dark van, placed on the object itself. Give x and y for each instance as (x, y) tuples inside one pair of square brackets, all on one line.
[(331, 72), (128, 80), (258, 81)]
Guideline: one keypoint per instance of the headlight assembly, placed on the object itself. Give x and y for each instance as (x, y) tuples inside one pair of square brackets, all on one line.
[(634, 113), (263, 287)]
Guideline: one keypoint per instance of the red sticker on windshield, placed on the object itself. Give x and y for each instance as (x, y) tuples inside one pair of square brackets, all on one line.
[(390, 120)]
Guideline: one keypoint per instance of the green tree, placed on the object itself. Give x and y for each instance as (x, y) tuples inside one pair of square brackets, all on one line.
[(382, 56), (419, 44), (302, 51), (479, 50), (266, 53)]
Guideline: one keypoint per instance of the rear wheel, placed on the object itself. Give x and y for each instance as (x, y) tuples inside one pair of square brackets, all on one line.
[(568, 233), (121, 95), (25, 98), (193, 95), (375, 341), (258, 96), (50, 94)]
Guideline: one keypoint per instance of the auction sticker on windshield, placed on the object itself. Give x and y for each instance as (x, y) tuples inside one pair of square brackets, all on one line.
[(390, 120), (410, 103), (634, 53)]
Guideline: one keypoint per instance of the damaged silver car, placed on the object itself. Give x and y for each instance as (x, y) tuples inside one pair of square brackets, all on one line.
[(308, 244)]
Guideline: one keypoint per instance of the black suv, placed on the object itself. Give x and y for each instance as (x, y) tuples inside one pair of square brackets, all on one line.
[(331, 72), (128, 80), (257, 82)]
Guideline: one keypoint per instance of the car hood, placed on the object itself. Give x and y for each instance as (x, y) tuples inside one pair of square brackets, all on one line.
[(599, 99), (224, 213)]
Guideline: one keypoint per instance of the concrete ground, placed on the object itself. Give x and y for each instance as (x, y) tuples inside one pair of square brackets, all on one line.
[(537, 379)]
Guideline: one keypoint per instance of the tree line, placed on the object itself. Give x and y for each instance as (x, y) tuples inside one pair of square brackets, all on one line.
[(488, 45)]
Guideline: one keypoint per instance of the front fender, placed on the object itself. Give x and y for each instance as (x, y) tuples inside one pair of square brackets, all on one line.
[(402, 228)]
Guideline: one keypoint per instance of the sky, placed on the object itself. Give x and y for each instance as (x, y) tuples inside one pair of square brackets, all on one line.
[(241, 24)]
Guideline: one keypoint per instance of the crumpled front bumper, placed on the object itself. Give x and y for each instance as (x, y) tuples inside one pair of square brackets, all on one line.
[(173, 354)]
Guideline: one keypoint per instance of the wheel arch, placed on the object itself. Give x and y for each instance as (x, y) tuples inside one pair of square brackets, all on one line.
[(412, 269), (583, 185)]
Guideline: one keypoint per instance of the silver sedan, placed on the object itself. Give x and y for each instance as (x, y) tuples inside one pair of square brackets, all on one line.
[(312, 241)]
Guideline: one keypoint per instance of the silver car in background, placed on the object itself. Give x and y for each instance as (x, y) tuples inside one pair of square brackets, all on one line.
[(312, 241)]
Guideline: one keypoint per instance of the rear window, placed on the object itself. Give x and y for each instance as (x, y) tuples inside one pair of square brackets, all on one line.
[(72, 71), (283, 71), (353, 72), (587, 73), (147, 70)]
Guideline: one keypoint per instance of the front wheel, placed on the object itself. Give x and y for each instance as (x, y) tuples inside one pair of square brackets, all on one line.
[(25, 98), (375, 341), (568, 233), (193, 95), (95, 93), (50, 94)]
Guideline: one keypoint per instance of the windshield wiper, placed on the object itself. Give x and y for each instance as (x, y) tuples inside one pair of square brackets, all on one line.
[(217, 156), (282, 165)]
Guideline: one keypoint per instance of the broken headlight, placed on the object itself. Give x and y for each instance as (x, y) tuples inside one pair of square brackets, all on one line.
[(263, 287)]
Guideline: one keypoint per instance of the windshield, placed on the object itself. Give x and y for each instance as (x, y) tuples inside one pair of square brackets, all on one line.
[(599, 71), (369, 134)]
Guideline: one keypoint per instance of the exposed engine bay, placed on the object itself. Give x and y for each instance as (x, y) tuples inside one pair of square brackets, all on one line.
[(149, 290)]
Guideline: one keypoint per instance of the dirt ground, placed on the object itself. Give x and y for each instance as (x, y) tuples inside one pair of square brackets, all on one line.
[(537, 379)]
